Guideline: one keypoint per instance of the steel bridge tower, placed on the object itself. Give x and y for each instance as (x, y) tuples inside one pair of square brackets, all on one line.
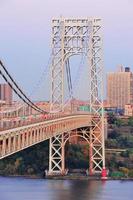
[(73, 37)]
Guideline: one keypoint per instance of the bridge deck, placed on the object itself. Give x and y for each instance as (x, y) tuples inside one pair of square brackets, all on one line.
[(17, 139)]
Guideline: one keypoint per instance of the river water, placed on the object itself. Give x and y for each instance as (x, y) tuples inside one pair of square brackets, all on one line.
[(41, 189)]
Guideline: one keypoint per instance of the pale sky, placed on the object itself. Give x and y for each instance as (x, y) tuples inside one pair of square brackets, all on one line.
[(25, 33)]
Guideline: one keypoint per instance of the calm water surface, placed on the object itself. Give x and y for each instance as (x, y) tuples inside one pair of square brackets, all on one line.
[(32, 189)]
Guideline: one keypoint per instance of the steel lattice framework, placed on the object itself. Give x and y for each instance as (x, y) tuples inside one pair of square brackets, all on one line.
[(72, 37)]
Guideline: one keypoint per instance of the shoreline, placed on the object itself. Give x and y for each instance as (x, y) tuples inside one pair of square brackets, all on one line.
[(68, 178)]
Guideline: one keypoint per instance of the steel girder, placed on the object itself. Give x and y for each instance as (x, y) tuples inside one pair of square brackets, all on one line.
[(69, 37), (97, 162), (57, 149), (81, 36)]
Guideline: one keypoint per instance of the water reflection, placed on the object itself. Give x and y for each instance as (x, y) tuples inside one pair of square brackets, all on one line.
[(29, 189), (79, 190)]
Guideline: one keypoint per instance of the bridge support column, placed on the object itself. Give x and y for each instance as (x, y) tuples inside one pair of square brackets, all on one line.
[(90, 155), (56, 155), (97, 159), (97, 151)]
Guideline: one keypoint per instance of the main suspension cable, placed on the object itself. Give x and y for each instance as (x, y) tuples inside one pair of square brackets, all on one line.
[(23, 96)]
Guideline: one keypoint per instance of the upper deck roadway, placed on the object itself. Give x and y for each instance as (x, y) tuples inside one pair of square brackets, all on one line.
[(18, 138)]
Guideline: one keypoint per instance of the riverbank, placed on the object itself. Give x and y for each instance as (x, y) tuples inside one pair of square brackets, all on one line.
[(23, 176), (87, 178), (68, 177)]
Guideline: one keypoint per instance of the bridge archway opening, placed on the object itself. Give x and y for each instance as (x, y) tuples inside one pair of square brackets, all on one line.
[(76, 146), (77, 154)]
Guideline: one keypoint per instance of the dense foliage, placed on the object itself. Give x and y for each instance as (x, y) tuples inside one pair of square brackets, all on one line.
[(77, 156), (120, 136), (34, 160), (120, 141)]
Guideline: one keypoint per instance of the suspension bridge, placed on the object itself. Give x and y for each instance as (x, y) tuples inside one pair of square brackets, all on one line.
[(60, 121)]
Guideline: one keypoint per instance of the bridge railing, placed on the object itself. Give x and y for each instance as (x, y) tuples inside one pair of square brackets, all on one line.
[(10, 123)]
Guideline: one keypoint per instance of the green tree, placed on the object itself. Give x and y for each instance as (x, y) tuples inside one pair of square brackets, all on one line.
[(113, 134), (119, 122), (111, 118), (124, 170), (111, 143), (76, 157), (130, 174), (130, 121)]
